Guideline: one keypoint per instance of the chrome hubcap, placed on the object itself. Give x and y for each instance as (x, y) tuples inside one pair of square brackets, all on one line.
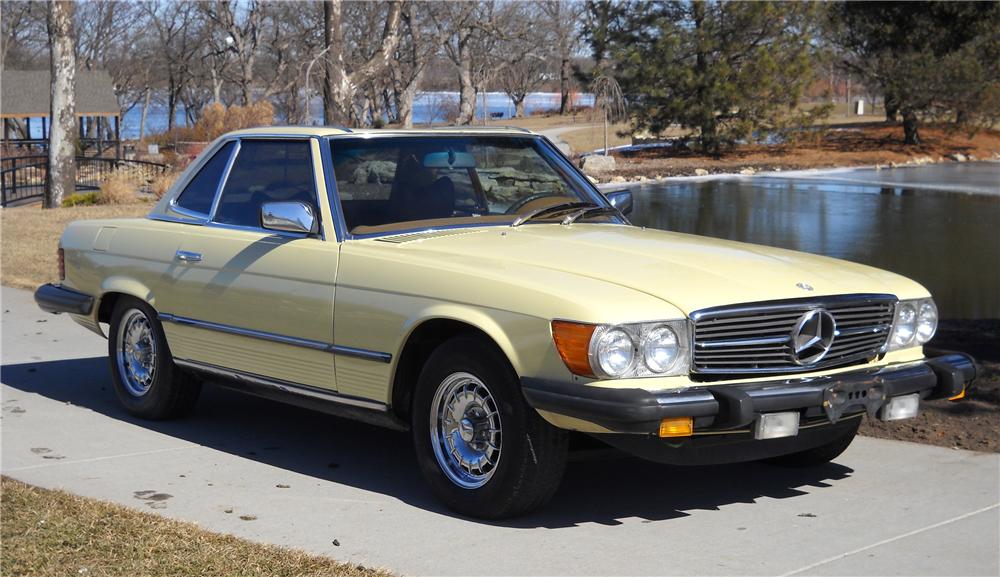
[(466, 430), (136, 352)]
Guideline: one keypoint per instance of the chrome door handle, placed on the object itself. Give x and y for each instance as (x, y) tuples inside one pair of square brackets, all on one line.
[(185, 256)]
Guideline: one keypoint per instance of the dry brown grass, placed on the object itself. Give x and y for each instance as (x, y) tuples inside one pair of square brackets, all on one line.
[(162, 183), (49, 533), (591, 138), (119, 188), (31, 237)]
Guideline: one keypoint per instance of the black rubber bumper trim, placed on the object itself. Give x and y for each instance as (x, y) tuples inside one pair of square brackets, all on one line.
[(640, 411), (57, 299)]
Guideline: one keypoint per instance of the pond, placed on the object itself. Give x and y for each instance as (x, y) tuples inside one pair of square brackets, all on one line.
[(921, 222)]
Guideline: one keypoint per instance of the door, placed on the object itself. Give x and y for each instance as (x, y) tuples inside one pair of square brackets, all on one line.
[(251, 300)]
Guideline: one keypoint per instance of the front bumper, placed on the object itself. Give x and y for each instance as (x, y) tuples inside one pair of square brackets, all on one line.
[(720, 408), (53, 298)]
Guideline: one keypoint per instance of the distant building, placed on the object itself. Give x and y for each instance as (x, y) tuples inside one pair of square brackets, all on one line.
[(25, 100)]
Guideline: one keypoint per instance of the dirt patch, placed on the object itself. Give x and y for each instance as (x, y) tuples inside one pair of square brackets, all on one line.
[(838, 146), (971, 423)]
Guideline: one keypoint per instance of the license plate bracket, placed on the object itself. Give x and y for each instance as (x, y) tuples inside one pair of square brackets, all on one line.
[(841, 397)]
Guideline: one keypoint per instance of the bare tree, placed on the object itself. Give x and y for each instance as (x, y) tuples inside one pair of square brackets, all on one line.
[(175, 26), (341, 85), (608, 102), (562, 20), (109, 37), (243, 33), (457, 22), (23, 44), (61, 173)]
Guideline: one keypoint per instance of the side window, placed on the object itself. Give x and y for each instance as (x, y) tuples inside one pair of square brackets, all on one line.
[(266, 171), (200, 192)]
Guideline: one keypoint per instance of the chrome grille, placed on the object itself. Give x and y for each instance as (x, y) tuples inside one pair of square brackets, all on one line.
[(756, 338)]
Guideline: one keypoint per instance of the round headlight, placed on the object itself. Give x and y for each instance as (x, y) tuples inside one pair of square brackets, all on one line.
[(927, 320), (906, 325), (660, 348), (615, 352)]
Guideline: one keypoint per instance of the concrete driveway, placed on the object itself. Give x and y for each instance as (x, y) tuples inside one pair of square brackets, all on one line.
[(884, 508)]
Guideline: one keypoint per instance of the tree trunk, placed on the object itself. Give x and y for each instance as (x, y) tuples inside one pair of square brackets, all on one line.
[(406, 99), (61, 173), (333, 42), (466, 87), (145, 110), (519, 106), (171, 105), (891, 106), (339, 88), (564, 72), (911, 134)]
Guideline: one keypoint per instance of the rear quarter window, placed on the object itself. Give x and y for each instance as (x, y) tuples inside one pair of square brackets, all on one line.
[(199, 194)]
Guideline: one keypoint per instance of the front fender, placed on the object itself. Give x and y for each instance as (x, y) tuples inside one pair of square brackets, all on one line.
[(523, 339)]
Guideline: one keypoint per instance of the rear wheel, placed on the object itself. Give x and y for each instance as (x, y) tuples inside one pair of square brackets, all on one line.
[(146, 380), (482, 449), (818, 455)]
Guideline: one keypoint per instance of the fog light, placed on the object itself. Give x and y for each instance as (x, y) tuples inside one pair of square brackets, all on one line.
[(776, 425), (904, 407), (677, 427)]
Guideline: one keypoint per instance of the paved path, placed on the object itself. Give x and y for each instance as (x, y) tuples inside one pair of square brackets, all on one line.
[(555, 135), (885, 508)]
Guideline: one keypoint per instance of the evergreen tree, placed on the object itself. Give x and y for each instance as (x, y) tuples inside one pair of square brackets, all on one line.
[(933, 60), (727, 69)]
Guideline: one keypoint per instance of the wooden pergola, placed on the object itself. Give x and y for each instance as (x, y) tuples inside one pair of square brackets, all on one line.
[(25, 95)]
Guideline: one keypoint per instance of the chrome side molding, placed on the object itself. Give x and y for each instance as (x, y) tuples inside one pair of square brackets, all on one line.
[(282, 386), (276, 338)]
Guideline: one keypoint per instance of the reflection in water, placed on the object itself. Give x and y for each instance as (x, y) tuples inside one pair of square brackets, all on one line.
[(948, 242)]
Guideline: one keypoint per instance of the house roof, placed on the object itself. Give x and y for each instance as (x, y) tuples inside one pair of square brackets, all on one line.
[(27, 94)]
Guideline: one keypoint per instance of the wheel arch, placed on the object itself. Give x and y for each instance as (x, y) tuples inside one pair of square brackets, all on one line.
[(427, 335), (113, 288)]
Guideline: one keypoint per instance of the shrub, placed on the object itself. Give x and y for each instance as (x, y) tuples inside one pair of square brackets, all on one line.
[(121, 187), (217, 120), (161, 184), (80, 199)]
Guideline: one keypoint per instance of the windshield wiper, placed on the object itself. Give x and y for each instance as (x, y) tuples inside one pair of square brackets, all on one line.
[(587, 212), (551, 210)]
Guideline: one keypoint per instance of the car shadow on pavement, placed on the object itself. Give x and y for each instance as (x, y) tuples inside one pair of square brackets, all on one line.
[(603, 486)]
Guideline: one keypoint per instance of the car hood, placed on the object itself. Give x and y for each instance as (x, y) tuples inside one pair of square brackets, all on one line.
[(690, 272)]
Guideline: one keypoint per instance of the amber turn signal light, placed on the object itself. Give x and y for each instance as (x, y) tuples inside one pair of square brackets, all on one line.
[(959, 396), (573, 343), (677, 427)]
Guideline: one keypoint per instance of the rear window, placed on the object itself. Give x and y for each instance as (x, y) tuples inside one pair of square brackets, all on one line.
[(200, 192)]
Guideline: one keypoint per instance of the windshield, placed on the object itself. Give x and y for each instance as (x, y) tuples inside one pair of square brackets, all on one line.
[(397, 183)]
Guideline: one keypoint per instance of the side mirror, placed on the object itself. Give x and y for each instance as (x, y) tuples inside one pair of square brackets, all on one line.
[(621, 199), (289, 217)]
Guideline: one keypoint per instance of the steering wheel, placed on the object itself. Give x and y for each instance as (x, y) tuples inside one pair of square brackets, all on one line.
[(517, 206)]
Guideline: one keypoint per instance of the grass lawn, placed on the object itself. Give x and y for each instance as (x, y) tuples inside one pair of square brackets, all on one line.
[(55, 533), (31, 237)]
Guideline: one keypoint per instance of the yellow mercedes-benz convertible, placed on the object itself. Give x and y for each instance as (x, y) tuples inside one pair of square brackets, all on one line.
[(474, 287)]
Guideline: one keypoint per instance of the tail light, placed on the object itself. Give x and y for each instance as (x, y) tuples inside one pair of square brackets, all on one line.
[(62, 264)]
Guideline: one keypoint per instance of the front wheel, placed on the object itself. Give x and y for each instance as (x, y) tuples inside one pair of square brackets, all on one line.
[(146, 380), (482, 449)]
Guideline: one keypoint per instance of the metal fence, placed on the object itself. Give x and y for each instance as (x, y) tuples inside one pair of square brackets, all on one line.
[(23, 178)]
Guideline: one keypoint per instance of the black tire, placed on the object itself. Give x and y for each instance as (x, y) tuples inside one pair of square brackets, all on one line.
[(818, 455), (170, 391), (532, 453)]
